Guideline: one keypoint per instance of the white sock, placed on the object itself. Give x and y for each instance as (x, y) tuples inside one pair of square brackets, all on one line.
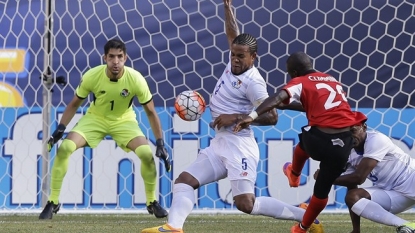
[(182, 204), (373, 211), (272, 207)]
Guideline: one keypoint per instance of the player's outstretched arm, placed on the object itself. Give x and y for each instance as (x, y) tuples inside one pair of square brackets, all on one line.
[(292, 106), (359, 176), (269, 104), (67, 116), (155, 124), (231, 26), (268, 118)]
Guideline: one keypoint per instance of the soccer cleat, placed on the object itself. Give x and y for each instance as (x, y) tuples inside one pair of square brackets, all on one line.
[(408, 227), (297, 229), (316, 226), (49, 210), (293, 180), (164, 228), (156, 209)]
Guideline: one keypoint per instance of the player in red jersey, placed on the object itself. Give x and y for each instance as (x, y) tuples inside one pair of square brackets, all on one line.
[(327, 137)]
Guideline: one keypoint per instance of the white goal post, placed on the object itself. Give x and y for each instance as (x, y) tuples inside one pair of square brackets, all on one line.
[(177, 46)]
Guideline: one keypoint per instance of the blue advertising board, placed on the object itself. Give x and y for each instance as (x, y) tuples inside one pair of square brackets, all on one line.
[(22, 147)]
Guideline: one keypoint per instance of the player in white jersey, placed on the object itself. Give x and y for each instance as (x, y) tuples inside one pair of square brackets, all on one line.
[(234, 155), (392, 172)]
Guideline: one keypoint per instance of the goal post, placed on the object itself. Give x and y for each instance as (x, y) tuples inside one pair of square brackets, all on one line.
[(178, 46)]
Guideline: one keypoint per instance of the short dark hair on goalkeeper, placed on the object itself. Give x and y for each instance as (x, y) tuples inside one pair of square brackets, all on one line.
[(114, 44), (246, 39)]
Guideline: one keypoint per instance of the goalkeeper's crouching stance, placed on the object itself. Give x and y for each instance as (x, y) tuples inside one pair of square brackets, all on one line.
[(114, 86)]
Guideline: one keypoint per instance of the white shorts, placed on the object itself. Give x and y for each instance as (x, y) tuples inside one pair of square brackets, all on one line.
[(229, 156), (392, 201)]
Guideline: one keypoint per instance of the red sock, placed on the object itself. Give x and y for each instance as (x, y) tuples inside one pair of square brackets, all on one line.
[(314, 208), (299, 159)]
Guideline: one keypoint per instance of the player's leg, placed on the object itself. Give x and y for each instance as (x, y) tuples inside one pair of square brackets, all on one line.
[(379, 205), (128, 135), (148, 172), (241, 160), (333, 161), (88, 131), (205, 169), (293, 170), (245, 201), (60, 165)]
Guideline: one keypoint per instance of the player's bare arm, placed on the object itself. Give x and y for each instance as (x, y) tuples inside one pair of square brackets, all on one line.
[(67, 116), (269, 103), (272, 102), (268, 118), (224, 120), (231, 25), (155, 124), (292, 106), (70, 110), (154, 119), (359, 176)]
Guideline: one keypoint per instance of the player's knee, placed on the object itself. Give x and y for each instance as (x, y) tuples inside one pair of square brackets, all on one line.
[(245, 203), (353, 196), (144, 153), (66, 148), (187, 178)]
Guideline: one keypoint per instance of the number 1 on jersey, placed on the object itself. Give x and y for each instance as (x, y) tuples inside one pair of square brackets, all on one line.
[(112, 104), (330, 103)]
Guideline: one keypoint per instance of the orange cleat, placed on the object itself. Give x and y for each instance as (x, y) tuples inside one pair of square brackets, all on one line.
[(293, 180)]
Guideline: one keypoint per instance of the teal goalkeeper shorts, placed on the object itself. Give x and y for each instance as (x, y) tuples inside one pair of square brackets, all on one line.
[(94, 128)]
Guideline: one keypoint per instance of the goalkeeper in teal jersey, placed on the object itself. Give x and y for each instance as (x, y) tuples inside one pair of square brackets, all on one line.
[(114, 87)]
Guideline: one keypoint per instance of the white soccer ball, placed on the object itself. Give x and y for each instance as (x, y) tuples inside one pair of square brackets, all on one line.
[(190, 105)]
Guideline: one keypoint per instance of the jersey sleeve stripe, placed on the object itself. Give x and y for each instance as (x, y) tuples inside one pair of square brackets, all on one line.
[(81, 97), (147, 101)]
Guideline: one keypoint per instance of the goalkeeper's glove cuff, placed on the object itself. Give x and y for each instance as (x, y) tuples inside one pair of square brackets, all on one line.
[(61, 127), (159, 142)]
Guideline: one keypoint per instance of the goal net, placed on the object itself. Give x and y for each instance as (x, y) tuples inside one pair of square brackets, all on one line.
[(177, 46)]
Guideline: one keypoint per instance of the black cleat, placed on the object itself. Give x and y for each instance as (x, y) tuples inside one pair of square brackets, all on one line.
[(157, 210), (404, 229), (49, 210)]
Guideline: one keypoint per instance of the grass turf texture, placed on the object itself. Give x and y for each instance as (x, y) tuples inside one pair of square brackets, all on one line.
[(91, 223)]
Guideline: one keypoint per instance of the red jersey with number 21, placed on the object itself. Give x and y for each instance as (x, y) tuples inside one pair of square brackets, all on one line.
[(323, 100)]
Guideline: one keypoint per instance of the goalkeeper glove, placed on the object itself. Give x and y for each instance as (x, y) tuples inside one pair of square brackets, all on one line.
[(161, 152), (56, 136)]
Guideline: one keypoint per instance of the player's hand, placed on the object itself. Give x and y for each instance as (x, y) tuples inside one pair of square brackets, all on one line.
[(242, 123), (161, 152), (56, 136), (316, 174), (224, 120)]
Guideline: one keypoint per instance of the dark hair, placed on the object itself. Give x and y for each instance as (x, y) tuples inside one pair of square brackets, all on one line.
[(300, 62), (114, 44), (246, 39)]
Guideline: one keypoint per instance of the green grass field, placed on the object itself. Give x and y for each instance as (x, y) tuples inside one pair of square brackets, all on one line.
[(241, 223)]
